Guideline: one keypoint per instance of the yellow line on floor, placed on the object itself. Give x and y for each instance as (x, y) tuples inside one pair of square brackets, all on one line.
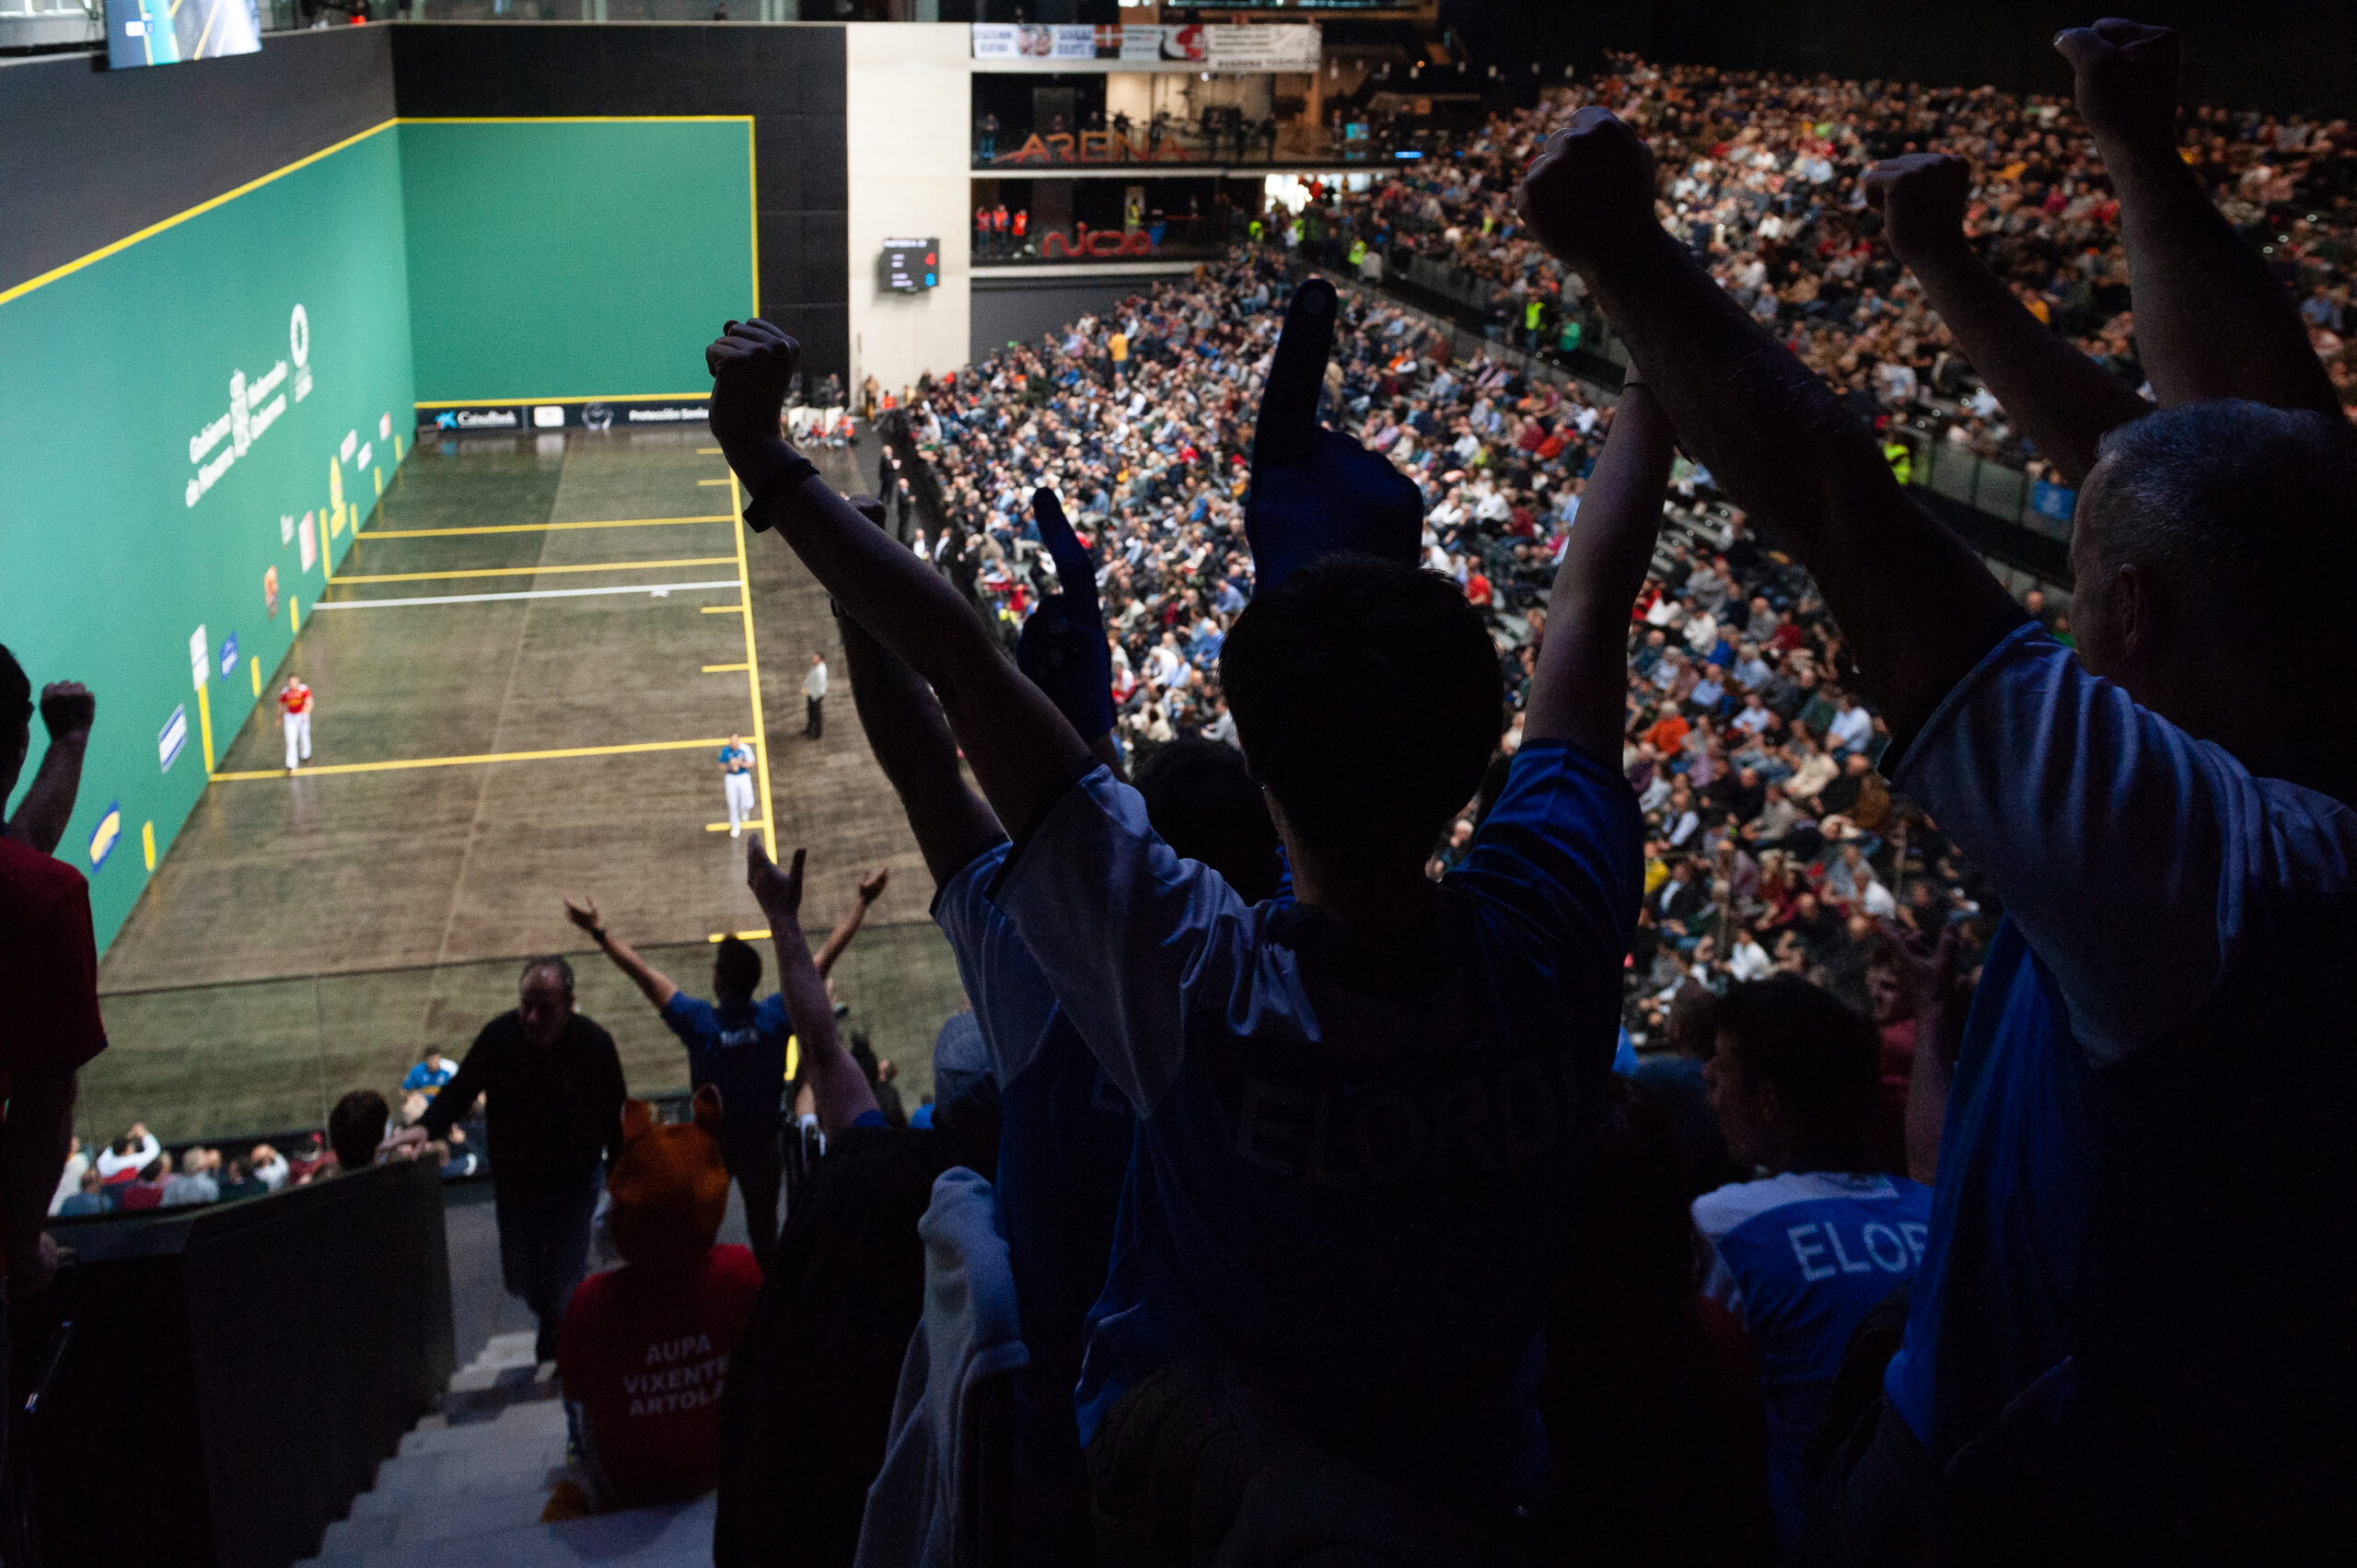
[(753, 669), (725, 668), (401, 763), (723, 827), (722, 609), (730, 480), (540, 571), (707, 451), (542, 528), (760, 936)]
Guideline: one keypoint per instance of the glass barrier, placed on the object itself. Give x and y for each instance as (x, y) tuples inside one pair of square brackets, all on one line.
[(217, 1061)]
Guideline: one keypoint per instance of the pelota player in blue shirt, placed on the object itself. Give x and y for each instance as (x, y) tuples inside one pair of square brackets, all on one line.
[(1358, 1116)]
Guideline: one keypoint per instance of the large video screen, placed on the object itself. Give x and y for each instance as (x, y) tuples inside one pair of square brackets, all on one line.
[(166, 32)]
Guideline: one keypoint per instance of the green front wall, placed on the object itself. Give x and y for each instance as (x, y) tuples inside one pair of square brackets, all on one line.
[(561, 259)]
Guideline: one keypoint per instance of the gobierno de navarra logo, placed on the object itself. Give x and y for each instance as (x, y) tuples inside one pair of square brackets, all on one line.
[(254, 407)]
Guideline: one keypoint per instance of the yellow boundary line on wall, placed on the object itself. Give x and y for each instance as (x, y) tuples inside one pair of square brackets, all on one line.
[(399, 764), (128, 240)]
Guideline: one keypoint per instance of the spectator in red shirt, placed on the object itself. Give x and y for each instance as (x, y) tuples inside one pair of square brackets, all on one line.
[(49, 980), (147, 1192), (643, 1347)]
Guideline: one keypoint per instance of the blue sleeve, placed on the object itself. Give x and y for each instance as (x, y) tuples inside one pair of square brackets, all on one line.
[(1012, 1001), (2109, 831), (691, 1019), (414, 1078), (1563, 848), (1132, 939)]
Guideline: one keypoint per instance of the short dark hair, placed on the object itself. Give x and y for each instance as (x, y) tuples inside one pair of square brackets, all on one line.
[(736, 968), (355, 1127), (1826, 1058), (2229, 498), (16, 694), (1200, 797), (548, 961), (1368, 698)]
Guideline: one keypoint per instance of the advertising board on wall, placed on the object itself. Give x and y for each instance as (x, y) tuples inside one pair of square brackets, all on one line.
[(1274, 47)]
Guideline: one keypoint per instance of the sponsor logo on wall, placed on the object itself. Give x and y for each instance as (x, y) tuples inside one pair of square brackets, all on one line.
[(1266, 47), (510, 417), (255, 405)]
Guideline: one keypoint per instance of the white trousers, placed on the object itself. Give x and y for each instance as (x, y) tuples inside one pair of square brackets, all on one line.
[(740, 798), (298, 735)]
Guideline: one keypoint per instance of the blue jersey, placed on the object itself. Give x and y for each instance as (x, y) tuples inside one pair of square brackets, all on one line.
[(1801, 1259), (1353, 1174), (2141, 1252), (1064, 1141), (737, 759), (741, 1051), (427, 1078)]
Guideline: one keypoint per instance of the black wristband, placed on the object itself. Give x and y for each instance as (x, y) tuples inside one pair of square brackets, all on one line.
[(757, 510)]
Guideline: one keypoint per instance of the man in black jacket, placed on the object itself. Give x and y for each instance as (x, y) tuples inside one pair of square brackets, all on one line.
[(555, 1089)]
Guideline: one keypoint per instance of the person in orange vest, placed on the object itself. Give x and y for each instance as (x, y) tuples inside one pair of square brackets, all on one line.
[(295, 718), (998, 227), (1022, 226), (981, 231)]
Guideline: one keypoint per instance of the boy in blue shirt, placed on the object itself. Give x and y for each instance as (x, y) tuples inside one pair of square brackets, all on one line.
[(1357, 1116), (1800, 1257), (432, 1069), (2128, 1338)]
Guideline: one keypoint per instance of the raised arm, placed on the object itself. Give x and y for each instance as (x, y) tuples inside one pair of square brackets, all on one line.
[(1025, 754), (1915, 604), (1317, 491), (839, 1090), (2210, 322), (67, 710), (2062, 400), (1580, 690), (871, 887), (651, 982), (912, 744)]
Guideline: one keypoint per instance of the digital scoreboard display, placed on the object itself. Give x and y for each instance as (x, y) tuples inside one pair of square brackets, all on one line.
[(167, 32), (911, 266)]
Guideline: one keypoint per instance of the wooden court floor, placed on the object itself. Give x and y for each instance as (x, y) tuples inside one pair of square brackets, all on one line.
[(523, 671)]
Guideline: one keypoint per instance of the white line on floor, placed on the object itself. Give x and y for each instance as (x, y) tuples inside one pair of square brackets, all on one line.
[(657, 589)]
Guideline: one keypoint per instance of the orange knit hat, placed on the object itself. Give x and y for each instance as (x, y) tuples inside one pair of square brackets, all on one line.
[(670, 1188)]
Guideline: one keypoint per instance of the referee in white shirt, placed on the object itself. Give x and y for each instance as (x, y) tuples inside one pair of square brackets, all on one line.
[(814, 697)]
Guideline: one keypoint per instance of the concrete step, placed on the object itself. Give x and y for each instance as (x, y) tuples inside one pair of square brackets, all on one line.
[(438, 1479), (676, 1537), (525, 1420)]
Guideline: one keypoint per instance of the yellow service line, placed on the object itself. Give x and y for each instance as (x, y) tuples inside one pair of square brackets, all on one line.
[(707, 451), (753, 669), (725, 668), (760, 936), (723, 827), (402, 763), (541, 527), (544, 571), (730, 481), (720, 610)]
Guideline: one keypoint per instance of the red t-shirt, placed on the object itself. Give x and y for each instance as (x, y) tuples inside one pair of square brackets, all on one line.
[(642, 1350), (49, 971), (294, 699)]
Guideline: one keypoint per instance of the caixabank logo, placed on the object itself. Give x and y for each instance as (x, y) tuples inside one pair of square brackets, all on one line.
[(255, 404)]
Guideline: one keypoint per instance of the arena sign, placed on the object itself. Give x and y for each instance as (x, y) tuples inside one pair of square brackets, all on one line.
[(579, 413), (1272, 47), (254, 407)]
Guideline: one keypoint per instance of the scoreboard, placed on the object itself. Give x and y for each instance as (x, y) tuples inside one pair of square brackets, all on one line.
[(911, 266)]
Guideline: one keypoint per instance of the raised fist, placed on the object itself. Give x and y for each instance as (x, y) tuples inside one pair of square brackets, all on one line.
[(66, 706), (1062, 648), (1921, 197), (1316, 491), (1592, 188), (2126, 78), (752, 364)]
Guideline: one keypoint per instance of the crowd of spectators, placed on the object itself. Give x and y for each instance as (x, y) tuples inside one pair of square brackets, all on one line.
[(1762, 174), (1774, 844)]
